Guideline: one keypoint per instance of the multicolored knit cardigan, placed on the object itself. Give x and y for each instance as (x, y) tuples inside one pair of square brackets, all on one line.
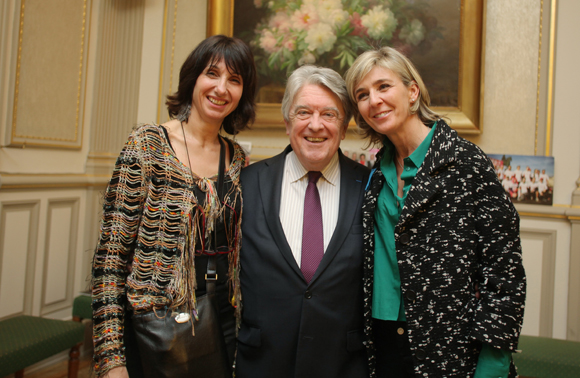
[(151, 223)]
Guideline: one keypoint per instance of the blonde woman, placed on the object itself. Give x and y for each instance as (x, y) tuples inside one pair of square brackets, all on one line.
[(437, 222)]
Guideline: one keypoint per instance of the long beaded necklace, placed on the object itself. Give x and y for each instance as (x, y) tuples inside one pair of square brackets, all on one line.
[(186, 149), (214, 193)]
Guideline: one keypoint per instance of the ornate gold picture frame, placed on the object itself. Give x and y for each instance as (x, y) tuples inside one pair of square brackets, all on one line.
[(466, 116)]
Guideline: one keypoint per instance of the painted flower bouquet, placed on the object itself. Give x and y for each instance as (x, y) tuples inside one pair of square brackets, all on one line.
[(332, 33)]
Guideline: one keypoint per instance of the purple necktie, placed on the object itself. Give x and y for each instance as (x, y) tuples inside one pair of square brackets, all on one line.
[(312, 235)]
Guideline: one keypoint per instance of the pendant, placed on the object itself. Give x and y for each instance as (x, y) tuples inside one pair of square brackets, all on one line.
[(182, 318)]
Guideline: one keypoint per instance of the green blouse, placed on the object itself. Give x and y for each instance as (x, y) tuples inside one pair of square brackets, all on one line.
[(387, 298)]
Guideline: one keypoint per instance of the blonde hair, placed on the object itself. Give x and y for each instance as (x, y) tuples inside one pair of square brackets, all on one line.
[(391, 59)]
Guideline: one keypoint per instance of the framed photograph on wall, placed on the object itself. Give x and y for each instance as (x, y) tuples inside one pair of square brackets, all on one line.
[(442, 37), (526, 178)]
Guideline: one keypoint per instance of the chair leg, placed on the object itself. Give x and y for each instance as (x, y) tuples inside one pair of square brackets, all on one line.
[(19, 374), (73, 362)]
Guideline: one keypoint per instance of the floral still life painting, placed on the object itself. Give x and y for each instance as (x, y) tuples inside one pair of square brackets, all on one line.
[(332, 33)]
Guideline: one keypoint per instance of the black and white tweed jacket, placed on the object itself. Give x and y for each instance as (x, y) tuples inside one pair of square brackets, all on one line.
[(457, 228)]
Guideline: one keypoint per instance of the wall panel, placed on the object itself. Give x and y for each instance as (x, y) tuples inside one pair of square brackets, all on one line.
[(545, 237), (539, 255), (60, 254), (48, 93), (18, 236)]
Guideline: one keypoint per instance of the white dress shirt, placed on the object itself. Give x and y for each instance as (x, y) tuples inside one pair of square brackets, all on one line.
[(294, 183)]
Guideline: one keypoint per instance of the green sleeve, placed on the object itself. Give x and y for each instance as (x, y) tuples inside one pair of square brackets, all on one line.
[(492, 363)]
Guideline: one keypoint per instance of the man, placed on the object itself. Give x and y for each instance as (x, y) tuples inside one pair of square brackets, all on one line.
[(299, 319)]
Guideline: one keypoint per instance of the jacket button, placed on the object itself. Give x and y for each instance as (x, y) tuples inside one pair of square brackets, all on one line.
[(410, 295), (404, 239), (308, 294), (400, 331), (420, 354)]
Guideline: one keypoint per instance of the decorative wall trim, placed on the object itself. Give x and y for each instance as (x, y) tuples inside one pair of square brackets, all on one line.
[(548, 238), (573, 328), (9, 11), (31, 234), (550, 101), (545, 92), (64, 251), (556, 211), (10, 182)]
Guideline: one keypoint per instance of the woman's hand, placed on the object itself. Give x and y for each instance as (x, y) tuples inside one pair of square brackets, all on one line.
[(118, 372)]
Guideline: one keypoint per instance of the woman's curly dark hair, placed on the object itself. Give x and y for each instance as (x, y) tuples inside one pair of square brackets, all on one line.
[(238, 59)]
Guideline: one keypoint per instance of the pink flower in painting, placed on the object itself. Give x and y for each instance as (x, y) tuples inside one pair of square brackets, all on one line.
[(314, 31), (289, 44), (268, 42), (280, 21), (304, 17), (356, 23)]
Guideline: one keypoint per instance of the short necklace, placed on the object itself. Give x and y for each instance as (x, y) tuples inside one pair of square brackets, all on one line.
[(186, 149), (397, 159)]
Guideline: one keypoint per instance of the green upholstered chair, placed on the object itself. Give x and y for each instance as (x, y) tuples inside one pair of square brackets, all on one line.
[(543, 357), (82, 308), (26, 340)]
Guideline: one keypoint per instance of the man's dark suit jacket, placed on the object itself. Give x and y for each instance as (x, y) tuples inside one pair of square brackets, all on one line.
[(292, 329)]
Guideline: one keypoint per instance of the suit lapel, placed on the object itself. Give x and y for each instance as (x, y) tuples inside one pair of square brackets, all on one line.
[(270, 184), (351, 188)]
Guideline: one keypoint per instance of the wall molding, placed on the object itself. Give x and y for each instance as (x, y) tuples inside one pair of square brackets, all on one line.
[(573, 326), (72, 204), (11, 182), (33, 209), (545, 90), (563, 212), (548, 239)]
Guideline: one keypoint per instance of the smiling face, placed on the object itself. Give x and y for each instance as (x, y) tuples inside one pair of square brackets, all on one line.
[(315, 126), (384, 101), (216, 94)]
